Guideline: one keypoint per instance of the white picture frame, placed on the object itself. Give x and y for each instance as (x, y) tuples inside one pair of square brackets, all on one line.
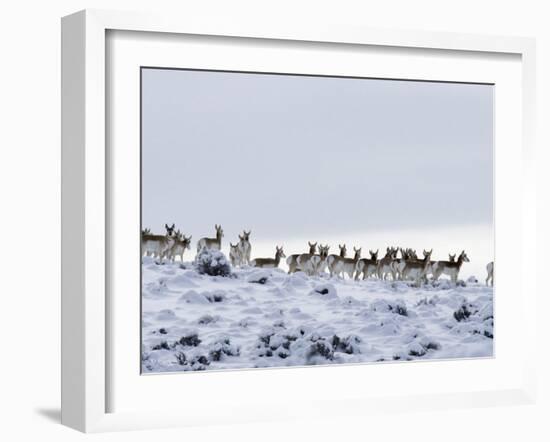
[(86, 207)]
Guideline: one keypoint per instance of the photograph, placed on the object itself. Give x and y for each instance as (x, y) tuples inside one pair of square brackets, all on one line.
[(292, 220)]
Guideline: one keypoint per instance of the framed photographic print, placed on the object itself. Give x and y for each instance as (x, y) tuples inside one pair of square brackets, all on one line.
[(288, 219), (289, 177)]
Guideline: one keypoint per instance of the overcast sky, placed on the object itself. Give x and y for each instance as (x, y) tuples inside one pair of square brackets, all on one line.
[(294, 157)]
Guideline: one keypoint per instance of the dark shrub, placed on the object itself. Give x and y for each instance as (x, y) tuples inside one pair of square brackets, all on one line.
[(162, 346), (196, 364), (223, 347), (212, 262), (432, 346), (400, 309), (321, 348), (418, 352), (346, 345), (217, 296), (190, 341), (207, 319), (462, 313), (181, 358), (265, 338)]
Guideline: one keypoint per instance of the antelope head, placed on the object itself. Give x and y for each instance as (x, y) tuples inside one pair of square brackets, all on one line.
[(463, 257), (279, 252), (427, 254), (312, 247), (452, 258), (169, 230), (219, 231), (323, 250), (373, 255), (358, 253), (187, 242), (146, 231), (246, 235), (343, 250)]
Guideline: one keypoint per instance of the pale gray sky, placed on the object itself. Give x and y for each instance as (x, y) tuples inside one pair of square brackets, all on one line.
[(294, 157)]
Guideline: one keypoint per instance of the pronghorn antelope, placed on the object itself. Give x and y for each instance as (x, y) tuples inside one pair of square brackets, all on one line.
[(386, 265), (417, 269), (234, 254), (409, 255), (317, 263), (449, 268), (269, 262), (490, 269), (334, 260), (399, 263), (311, 263), (244, 247), (348, 264), (211, 243), (158, 245), (146, 232), (305, 264), (367, 266), (181, 244), (292, 260), (430, 267)]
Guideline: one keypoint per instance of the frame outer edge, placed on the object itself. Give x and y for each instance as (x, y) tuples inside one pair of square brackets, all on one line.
[(73, 370), (83, 329), (83, 187), (531, 295)]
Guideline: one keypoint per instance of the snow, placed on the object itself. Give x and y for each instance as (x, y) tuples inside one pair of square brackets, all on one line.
[(267, 318)]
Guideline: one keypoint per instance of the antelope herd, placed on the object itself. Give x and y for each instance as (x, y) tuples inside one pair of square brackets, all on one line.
[(408, 266)]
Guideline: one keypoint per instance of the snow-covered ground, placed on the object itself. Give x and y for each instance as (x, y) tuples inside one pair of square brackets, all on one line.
[(267, 318)]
